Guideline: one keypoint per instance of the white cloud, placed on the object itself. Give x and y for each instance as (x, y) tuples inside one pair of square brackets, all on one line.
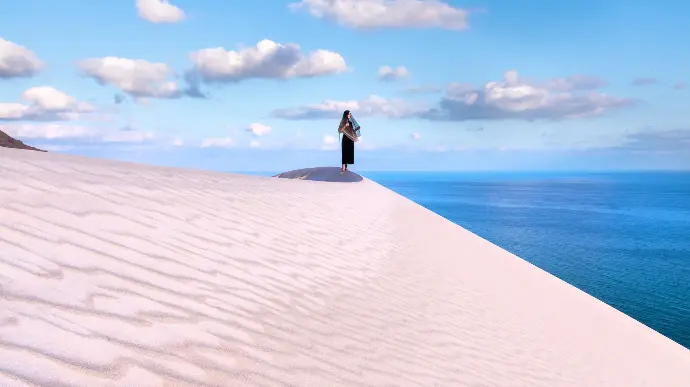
[(77, 134), (370, 106), (516, 99), (17, 61), (387, 13), (329, 142), (44, 103), (136, 77), (259, 129), (415, 136), (12, 110), (217, 142), (49, 98), (513, 98), (159, 11), (267, 59), (254, 144), (49, 131), (66, 136), (387, 73)]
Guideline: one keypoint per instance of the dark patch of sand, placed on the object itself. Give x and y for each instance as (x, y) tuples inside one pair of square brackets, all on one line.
[(331, 174)]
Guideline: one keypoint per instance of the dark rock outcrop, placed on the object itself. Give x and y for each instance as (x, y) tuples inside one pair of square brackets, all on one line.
[(8, 142)]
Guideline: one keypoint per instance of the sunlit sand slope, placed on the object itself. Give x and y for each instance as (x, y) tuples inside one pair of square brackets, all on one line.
[(116, 274)]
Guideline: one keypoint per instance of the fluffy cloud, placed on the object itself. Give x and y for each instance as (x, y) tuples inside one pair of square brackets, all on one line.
[(259, 129), (511, 99), (17, 61), (254, 144), (136, 77), (267, 59), (370, 106), (415, 136), (159, 11), (43, 103), (365, 14), (644, 81), (516, 99), (387, 73)]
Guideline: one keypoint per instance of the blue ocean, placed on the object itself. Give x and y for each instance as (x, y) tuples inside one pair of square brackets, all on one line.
[(622, 237)]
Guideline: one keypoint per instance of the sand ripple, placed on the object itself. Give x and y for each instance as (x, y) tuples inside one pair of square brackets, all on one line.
[(116, 274)]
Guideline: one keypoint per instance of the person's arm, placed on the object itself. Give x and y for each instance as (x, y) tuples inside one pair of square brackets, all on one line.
[(344, 125)]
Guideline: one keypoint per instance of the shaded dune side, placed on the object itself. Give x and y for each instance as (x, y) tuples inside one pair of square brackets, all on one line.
[(117, 274)]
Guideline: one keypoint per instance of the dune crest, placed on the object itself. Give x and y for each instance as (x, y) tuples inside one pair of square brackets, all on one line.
[(118, 274)]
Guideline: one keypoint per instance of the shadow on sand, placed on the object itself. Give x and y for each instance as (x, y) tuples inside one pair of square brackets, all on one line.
[(331, 174)]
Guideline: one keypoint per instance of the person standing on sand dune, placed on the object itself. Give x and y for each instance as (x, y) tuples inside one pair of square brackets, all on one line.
[(347, 145)]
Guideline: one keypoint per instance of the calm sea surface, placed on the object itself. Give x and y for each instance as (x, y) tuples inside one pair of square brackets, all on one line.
[(623, 238)]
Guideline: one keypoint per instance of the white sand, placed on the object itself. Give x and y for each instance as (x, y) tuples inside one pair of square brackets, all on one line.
[(117, 274)]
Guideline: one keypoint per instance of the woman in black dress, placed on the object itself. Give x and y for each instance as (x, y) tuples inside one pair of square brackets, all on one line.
[(347, 145)]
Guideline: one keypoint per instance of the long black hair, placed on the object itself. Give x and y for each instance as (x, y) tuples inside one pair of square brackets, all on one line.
[(343, 121)]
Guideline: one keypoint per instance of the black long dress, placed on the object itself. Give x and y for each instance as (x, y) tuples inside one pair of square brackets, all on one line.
[(348, 150)]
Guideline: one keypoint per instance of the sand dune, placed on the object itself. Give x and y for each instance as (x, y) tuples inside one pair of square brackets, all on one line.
[(117, 274)]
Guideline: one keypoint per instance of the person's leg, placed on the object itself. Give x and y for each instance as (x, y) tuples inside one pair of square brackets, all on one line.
[(346, 150)]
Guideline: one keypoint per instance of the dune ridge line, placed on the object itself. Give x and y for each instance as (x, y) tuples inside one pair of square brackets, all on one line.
[(119, 274)]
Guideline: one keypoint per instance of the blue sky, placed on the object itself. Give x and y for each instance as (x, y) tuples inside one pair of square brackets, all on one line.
[(259, 85)]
